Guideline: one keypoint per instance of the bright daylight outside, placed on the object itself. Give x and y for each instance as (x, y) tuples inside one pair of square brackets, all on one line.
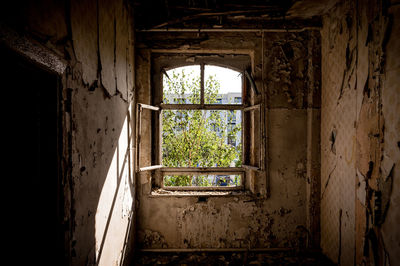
[(199, 137)]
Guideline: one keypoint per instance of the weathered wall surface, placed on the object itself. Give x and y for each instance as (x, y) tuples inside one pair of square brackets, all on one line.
[(390, 164), (94, 39), (359, 133), (275, 214), (338, 135)]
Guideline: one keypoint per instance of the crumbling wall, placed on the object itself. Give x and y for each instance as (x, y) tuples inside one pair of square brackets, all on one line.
[(338, 135), (390, 164), (274, 212), (94, 39), (357, 155)]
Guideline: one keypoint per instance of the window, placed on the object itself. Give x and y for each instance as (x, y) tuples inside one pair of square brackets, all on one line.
[(238, 100), (198, 115), (194, 133)]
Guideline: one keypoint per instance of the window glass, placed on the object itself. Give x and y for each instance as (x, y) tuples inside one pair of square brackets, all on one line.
[(202, 138), (182, 85), (195, 136), (222, 85)]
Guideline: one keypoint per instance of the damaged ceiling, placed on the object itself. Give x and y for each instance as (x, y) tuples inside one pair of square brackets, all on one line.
[(222, 14)]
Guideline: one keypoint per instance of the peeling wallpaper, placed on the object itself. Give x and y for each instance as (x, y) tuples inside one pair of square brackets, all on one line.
[(357, 133)]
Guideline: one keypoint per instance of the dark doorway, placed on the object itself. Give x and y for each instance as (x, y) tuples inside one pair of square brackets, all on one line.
[(31, 137)]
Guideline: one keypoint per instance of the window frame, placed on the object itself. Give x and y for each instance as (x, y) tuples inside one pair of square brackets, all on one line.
[(245, 107), (203, 170)]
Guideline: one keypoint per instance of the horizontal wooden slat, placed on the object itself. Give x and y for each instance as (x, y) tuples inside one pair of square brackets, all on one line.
[(148, 168), (150, 107), (202, 169), (250, 108), (201, 107), (250, 167)]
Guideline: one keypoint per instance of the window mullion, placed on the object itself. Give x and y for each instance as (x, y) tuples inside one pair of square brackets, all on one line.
[(202, 85), (202, 107)]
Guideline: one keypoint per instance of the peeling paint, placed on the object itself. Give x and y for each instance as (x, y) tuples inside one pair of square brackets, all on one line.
[(354, 51), (152, 239), (244, 219)]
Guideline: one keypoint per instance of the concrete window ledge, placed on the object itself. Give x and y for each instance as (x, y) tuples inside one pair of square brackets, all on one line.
[(168, 193)]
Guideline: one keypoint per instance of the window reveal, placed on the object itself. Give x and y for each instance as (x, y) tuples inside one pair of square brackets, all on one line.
[(223, 114)]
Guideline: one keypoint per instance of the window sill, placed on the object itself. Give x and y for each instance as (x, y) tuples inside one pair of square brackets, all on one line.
[(168, 193)]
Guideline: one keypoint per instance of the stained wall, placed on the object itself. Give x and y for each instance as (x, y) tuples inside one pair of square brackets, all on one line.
[(90, 46), (359, 154), (278, 208)]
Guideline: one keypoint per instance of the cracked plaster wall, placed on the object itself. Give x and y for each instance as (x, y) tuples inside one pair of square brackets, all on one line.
[(277, 214), (360, 133), (94, 39)]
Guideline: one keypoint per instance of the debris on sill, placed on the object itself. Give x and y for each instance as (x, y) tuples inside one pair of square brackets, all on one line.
[(231, 258)]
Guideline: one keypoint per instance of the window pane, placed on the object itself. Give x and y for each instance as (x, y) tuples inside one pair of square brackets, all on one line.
[(202, 180), (182, 85), (222, 85), (200, 138)]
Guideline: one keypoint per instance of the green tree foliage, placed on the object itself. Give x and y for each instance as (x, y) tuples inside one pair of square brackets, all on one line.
[(196, 138)]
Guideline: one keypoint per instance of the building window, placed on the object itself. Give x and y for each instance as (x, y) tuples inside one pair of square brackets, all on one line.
[(238, 100), (204, 123)]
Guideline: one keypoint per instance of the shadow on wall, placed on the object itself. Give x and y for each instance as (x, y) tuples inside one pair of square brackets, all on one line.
[(102, 177), (114, 216), (80, 214), (33, 214), (33, 149)]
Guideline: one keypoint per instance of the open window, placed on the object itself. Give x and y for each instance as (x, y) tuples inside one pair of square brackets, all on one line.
[(203, 124)]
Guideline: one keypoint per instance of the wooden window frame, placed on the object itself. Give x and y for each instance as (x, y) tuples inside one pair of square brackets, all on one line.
[(160, 171)]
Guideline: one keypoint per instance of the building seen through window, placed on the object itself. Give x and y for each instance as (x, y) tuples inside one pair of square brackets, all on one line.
[(196, 135)]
